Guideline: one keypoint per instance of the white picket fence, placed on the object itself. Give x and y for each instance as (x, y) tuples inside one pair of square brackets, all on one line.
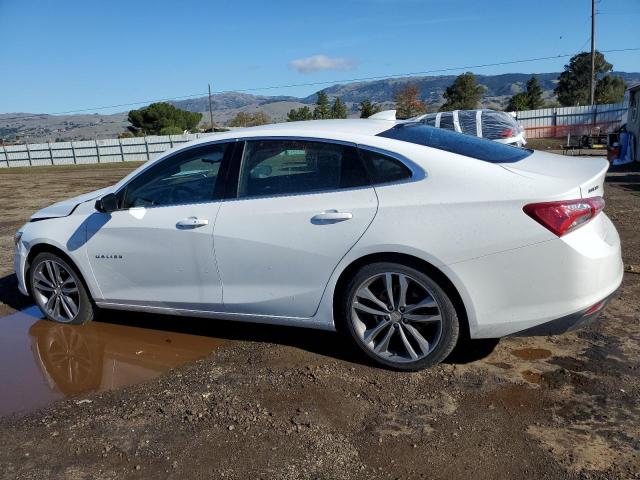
[(560, 121), (90, 151)]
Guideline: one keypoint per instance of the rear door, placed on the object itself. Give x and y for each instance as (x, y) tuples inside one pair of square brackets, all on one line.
[(300, 206)]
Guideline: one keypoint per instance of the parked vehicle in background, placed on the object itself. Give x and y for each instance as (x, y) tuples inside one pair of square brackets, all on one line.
[(403, 236), (490, 124)]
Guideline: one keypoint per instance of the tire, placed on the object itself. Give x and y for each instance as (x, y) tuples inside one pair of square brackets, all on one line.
[(59, 291), (414, 332)]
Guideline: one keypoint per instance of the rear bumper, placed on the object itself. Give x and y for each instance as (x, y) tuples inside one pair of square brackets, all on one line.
[(568, 323), (553, 282)]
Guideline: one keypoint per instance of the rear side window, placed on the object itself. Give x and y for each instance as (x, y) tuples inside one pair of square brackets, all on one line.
[(383, 168), (287, 167), (474, 147)]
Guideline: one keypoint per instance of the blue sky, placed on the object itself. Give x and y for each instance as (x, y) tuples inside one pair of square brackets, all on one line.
[(71, 55)]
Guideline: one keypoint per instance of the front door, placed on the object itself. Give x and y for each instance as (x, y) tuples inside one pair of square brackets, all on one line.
[(300, 206), (157, 249)]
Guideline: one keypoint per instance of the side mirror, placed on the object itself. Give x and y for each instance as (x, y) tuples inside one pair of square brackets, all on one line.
[(107, 204)]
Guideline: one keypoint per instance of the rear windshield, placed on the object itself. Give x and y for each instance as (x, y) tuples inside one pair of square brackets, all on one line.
[(474, 147)]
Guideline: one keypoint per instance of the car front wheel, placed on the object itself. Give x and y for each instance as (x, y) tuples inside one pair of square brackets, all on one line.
[(399, 317), (59, 291)]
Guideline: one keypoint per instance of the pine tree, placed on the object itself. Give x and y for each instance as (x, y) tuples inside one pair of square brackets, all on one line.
[(338, 109), (463, 93), (517, 103), (299, 114), (573, 83), (534, 94), (322, 110), (367, 108)]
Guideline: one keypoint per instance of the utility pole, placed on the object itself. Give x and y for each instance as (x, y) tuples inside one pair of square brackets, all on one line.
[(592, 81), (211, 108)]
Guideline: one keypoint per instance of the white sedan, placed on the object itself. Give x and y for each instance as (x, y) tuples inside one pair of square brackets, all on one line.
[(405, 237)]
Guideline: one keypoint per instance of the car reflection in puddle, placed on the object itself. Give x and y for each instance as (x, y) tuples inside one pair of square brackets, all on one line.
[(42, 361)]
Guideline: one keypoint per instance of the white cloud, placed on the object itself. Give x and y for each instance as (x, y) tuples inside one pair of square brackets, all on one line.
[(317, 63)]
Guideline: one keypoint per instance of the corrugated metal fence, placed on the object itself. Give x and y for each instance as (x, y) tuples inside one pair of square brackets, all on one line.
[(90, 151), (558, 122), (543, 123)]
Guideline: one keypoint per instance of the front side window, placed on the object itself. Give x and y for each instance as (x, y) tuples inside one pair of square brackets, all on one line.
[(187, 177), (287, 167)]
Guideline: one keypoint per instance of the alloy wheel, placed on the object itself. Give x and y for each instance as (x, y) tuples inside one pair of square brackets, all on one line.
[(56, 291), (396, 317)]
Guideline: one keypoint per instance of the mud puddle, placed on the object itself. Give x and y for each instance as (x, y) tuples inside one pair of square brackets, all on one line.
[(532, 353), (42, 361)]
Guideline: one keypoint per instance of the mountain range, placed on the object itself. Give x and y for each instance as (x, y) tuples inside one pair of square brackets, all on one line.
[(42, 127)]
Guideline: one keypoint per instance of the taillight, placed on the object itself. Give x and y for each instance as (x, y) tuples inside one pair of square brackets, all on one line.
[(506, 133), (566, 215)]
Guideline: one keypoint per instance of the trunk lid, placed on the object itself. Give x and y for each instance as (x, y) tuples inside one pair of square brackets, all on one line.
[(587, 173)]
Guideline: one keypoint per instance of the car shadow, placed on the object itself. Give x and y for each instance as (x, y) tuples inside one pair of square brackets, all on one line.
[(10, 295), (626, 180), (320, 342)]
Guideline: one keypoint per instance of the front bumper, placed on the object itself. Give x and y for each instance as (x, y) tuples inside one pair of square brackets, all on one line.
[(20, 266)]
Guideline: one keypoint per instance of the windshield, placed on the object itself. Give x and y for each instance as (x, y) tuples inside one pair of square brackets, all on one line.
[(467, 145)]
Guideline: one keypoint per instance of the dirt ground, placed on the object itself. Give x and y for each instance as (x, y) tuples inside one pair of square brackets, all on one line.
[(295, 404)]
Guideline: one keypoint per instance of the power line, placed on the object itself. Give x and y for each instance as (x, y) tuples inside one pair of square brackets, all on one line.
[(313, 84)]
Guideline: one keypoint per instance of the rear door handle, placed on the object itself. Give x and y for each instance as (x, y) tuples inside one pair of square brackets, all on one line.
[(192, 222), (331, 216)]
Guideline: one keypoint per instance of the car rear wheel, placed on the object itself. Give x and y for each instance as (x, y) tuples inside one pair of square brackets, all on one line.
[(399, 317), (59, 291)]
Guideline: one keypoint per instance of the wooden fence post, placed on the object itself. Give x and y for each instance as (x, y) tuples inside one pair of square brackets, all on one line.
[(50, 152), (73, 152), (28, 153), (97, 149), (146, 147), (121, 151)]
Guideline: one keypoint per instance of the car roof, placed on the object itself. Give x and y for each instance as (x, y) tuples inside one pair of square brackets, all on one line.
[(330, 129)]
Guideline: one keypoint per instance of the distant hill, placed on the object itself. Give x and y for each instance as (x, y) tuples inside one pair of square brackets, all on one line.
[(499, 88)]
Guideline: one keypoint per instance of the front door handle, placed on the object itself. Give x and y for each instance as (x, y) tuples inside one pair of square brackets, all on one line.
[(192, 222), (331, 216)]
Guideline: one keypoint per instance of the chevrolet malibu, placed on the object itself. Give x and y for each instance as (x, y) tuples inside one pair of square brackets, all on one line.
[(405, 237)]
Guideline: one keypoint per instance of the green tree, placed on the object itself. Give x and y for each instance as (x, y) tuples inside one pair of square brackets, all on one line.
[(323, 109), (573, 83), (338, 109), (248, 119), (534, 94), (530, 99), (408, 103), (172, 130), (463, 94), (367, 108), (519, 102), (155, 118), (610, 89), (299, 114)]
